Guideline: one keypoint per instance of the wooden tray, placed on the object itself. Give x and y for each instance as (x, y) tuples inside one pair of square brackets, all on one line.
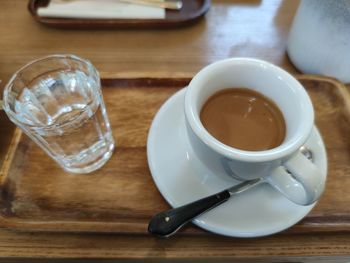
[(36, 195), (191, 11)]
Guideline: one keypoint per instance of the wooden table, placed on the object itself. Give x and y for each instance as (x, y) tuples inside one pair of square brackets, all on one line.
[(232, 28)]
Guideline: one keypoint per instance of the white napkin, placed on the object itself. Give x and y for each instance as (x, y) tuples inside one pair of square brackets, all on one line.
[(100, 9)]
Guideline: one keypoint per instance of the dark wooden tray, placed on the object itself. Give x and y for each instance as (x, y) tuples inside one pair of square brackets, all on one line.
[(36, 195), (191, 11)]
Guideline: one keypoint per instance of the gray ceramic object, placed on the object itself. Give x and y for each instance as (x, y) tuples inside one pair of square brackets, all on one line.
[(319, 39)]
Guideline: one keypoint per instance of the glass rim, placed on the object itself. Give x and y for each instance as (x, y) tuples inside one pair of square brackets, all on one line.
[(7, 90)]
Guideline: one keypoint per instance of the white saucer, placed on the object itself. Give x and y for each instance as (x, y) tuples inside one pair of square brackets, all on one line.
[(181, 178)]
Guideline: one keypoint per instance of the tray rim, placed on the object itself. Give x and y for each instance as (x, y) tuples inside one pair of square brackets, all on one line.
[(311, 224), (71, 23)]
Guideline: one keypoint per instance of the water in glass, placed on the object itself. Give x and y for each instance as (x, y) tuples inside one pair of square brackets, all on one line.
[(63, 111)]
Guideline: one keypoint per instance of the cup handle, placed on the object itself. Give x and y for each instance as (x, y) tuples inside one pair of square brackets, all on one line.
[(298, 179)]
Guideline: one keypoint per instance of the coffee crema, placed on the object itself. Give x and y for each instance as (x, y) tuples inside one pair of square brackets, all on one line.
[(244, 119)]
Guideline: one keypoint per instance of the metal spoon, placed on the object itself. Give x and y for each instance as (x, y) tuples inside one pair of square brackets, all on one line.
[(167, 223), (167, 4)]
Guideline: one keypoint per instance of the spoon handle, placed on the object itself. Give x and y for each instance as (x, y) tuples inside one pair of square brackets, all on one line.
[(168, 222)]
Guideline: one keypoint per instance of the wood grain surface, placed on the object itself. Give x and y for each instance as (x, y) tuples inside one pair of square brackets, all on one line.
[(231, 28), (251, 28), (37, 195)]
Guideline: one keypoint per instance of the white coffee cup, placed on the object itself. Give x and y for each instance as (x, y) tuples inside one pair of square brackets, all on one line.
[(283, 167)]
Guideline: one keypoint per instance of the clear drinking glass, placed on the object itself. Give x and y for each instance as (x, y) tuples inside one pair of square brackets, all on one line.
[(57, 102)]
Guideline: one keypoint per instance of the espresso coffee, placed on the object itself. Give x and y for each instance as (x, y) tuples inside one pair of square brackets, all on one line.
[(244, 119)]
